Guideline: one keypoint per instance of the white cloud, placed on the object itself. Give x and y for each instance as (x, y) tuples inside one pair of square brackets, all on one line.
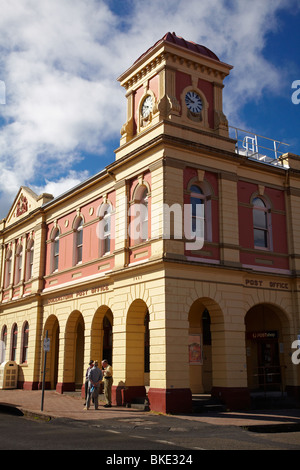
[(2, 92), (235, 30), (58, 89), (60, 60), (62, 185)]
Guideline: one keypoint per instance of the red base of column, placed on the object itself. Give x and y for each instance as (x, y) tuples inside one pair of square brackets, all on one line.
[(28, 385), (233, 398), (47, 386), (65, 387), (121, 395), (170, 400)]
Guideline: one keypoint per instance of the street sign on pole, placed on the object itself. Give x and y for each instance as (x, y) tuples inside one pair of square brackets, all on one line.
[(46, 344)]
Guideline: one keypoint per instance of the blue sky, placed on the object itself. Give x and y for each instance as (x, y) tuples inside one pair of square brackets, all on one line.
[(59, 61)]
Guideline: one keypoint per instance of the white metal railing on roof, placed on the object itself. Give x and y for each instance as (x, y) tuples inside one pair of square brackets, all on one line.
[(257, 147)]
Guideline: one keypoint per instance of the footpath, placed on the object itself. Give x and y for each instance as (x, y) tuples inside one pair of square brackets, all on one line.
[(71, 406)]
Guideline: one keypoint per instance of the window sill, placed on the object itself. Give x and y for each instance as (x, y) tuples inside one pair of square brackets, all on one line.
[(262, 248)]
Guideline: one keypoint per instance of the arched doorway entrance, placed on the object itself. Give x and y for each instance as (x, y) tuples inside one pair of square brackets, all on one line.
[(79, 353), (74, 352), (137, 363), (264, 349), (52, 326), (147, 349), (101, 335), (200, 350), (107, 337)]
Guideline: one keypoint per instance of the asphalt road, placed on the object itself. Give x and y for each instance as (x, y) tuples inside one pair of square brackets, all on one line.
[(129, 437)]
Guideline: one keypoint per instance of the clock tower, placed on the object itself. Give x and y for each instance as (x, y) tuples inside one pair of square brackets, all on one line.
[(175, 130), (176, 86)]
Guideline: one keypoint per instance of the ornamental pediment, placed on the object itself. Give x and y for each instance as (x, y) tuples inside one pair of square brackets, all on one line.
[(25, 202)]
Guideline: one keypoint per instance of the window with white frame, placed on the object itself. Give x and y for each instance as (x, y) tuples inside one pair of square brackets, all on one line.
[(29, 259), (78, 240), (55, 250), (261, 223), (105, 228), (14, 342), (144, 218), (139, 213), (25, 342), (106, 231), (18, 263), (8, 267), (3, 344), (200, 200), (197, 199)]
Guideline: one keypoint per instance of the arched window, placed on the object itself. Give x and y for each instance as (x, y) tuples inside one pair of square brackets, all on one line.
[(18, 264), (55, 251), (3, 344), (260, 224), (8, 267), (104, 230), (14, 342), (78, 240), (139, 213), (197, 230), (25, 342), (29, 260), (197, 198), (144, 224)]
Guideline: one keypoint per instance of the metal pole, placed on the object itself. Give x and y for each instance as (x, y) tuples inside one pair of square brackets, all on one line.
[(44, 373)]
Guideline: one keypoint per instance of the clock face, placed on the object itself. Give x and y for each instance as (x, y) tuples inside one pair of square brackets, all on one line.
[(193, 102), (147, 107)]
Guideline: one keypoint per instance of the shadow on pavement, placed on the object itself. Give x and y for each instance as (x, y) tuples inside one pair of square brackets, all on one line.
[(9, 409)]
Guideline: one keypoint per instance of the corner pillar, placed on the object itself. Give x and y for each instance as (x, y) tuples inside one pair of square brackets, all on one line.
[(229, 366)]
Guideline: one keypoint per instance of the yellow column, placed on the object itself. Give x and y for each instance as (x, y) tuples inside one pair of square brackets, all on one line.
[(229, 228)]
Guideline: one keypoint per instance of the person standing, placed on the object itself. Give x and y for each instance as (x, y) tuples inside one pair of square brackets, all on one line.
[(95, 378), (86, 383), (108, 380)]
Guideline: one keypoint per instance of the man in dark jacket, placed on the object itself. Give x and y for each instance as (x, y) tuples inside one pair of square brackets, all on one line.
[(86, 383)]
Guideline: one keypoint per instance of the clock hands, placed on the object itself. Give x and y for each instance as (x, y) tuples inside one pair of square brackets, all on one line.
[(190, 100), (193, 102), (147, 107)]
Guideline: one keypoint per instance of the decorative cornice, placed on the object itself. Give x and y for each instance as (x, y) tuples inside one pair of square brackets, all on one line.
[(171, 59)]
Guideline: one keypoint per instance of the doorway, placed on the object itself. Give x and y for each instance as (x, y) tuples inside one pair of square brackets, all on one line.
[(137, 345), (263, 350), (79, 354), (200, 349), (268, 365), (107, 339)]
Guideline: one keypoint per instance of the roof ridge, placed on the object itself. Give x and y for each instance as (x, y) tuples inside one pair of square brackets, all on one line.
[(181, 42)]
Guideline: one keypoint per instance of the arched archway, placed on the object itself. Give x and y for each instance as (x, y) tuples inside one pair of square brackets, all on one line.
[(52, 326), (228, 352), (74, 352), (101, 334), (266, 328), (201, 314), (107, 337), (135, 343)]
